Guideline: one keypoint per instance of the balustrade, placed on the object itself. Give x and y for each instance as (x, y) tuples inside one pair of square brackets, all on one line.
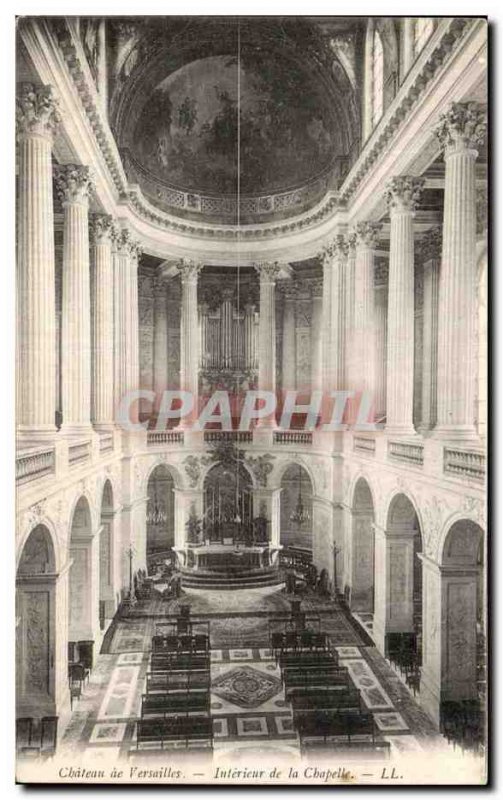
[(164, 437), (465, 463), (404, 451), (34, 464), (293, 437)]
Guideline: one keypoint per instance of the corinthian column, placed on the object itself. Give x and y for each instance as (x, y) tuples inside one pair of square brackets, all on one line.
[(103, 230), (37, 120), (160, 339), (289, 350), (268, 273), (381, 310), (326, 255), (349, 309), (364, 364), (402, 196), (133, 325), (73, 184), (337, 304), (316, 354), (127, 365), (430, 249), (459, 131), (189, 333)]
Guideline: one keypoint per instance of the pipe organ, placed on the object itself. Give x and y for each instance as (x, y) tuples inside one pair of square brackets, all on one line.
[(228, 343)]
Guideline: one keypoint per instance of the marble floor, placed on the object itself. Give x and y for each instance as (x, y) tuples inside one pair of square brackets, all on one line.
[(248, 703)]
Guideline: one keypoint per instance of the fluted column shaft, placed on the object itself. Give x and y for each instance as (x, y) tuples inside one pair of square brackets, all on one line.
[(402, 196), (337, 314), (133, 377), (160, 339), (349, 307), (120, 258), (316, 347), (189, 344), (73, 184), (289, 350), (460, 130), (103, 231), (268, 273), (380, 349), (364, 364), (37, 118), (431, 272), (250, 355), (326, 320)]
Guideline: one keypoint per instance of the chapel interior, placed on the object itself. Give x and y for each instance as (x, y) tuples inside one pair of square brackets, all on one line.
[(225, 205)]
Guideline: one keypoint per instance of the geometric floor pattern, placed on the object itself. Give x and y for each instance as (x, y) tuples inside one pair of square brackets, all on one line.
[(248, 705)]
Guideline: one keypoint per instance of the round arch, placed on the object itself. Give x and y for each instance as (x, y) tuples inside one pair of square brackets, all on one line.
[(360, 551), (228, 502), (285, 464), (36, 612), (160, 510), (172, 469), (296, 499), (83, 594), (109, 565)]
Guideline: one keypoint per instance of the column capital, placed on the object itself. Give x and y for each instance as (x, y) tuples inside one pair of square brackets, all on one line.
[(316, 288), (37, 110), (462, 127), (128, 245), (351, 238), (268, 271), (289, 289), (429, 248), (74, 183), (367, 234), (402, 193), (189, 269), (338, 248), (103, 228)]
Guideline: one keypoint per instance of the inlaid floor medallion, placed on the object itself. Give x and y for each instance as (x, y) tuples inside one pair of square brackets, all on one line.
[(246, 687)]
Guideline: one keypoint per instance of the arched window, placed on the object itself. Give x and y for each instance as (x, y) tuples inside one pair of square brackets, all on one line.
[(423, 28), (377, 78)]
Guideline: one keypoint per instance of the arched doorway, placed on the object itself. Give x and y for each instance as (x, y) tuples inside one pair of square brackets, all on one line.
[(453, 679), (84, 580), (109, 597), (296, 509), (227, 503), (35, 624), (398, 576), (160, 515), (361, 552)]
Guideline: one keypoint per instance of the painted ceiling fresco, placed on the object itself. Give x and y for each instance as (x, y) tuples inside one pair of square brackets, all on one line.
[(189, 129)]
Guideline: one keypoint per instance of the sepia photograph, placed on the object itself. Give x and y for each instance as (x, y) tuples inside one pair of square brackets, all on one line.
[(251, 425)]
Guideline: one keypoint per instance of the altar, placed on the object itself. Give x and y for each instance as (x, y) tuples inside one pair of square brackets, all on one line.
[(229, 566)]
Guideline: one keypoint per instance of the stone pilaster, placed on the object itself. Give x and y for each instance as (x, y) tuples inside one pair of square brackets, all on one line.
[(460, 130), (394, 581), (402, 195), (160, 339), (430, 252), (127, 371), (103, 232), (189, 344), (250, 351), (37, 119), (364, 363), (268, 274), (73, 184), (289, 349)]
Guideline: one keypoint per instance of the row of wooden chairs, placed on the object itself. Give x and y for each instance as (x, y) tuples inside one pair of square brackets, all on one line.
[(167, 662), (179, 702), (315, 677), (36, 739), (323, 723), (192, 731), (164, 681), (307, 660), (339, 698), (181, 643), (294, 641)]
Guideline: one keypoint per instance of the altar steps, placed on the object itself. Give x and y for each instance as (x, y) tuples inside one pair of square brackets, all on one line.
[(224, 581)]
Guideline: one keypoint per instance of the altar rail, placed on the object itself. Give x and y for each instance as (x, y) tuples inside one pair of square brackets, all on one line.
[(466, 463), (35, 463)]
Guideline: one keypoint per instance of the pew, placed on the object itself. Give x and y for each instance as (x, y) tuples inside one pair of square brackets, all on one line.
[(323, 723), (306, 660), (193, 729), (159, 705), (163, 662), (341, 698), (321, 676), (163, 681)]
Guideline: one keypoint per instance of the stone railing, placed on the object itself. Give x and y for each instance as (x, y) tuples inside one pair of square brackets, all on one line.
[(77, 453), (106, 442), (293, 437), (34, 464), (240, 437), (156, 438), (464, 463), (404, 451), (364, 444)]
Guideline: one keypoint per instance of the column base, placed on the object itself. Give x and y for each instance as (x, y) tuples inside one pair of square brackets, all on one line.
[(455, 433), (74, 431), (400, 430), (28, 435)]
